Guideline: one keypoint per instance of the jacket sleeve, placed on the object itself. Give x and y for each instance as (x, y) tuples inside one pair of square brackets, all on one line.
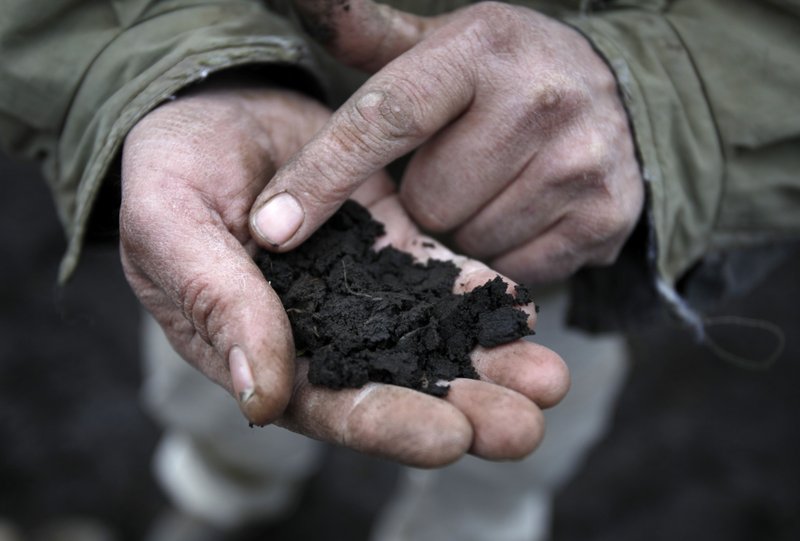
[(76, 76), (712, 88)]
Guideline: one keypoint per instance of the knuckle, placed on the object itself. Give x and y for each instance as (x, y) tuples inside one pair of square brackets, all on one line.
[(200, 307), (613, 232), (585, 163), (595, 150), (593, 181), (600, 234), (492, 26), (136, 221), (392, 112), (551, 97), (613, 223), (549, 106), (553, 102)]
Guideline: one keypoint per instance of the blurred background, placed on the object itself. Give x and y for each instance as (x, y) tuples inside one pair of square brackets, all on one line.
[(699, 449)]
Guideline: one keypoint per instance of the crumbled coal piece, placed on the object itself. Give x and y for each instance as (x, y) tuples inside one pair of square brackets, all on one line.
[(522, 294), (364, 315), (501, 326)]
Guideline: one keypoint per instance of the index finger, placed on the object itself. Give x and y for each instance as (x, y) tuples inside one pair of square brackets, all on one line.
[(394, 112)]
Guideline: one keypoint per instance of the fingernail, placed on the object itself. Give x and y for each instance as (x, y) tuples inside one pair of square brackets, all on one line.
[(241, 375), (279, 219)]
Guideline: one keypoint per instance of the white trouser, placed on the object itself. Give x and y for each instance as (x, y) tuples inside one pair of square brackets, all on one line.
[(212, 465)]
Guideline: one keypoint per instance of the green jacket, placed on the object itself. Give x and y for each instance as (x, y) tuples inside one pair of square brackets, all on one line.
[(712, 88)]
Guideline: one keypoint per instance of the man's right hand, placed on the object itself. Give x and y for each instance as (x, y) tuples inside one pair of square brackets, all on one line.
[(523, 152)]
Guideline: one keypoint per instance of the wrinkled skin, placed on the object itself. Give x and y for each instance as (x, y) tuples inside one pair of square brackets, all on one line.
[(524, 153), (192, 169)]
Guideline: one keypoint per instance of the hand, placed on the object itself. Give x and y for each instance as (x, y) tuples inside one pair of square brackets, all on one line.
[(497, 417), (525, 155), (191, 171)]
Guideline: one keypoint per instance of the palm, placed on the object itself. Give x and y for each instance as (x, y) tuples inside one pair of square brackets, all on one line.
[(191, 172)]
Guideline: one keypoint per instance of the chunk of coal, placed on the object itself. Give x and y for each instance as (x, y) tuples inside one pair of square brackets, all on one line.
[(501, 326), (364, 315)]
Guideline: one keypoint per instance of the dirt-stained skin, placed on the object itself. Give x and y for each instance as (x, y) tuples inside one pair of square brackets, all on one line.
[(318, 18)]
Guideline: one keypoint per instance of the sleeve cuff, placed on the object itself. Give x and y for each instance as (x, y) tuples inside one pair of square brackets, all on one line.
[(676, 139), (173, 49)]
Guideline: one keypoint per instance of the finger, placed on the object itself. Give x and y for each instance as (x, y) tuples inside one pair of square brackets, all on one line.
[(583, 239), (383, 420), (216, 307), (393, 113), (528, 207), (562, 179), (361, 33), (531, 369), (474, 159), (506, 425), (546, 259)]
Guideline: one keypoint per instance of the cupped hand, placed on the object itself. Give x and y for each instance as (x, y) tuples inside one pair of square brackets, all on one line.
[(191, 171), (524, 151), (496, 417)]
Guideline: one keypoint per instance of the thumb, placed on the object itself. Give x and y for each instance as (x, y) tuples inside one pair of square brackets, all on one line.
[(363, 34), (214, 304)]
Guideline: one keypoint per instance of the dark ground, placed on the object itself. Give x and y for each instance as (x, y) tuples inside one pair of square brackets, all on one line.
[(700, 450)]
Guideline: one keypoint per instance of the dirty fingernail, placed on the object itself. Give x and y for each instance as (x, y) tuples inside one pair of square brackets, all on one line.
[(241, 375), (279, 219)]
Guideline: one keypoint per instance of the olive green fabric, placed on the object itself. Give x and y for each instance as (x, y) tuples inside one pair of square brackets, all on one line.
[(713, 91), (76, 76), (712, 88)]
